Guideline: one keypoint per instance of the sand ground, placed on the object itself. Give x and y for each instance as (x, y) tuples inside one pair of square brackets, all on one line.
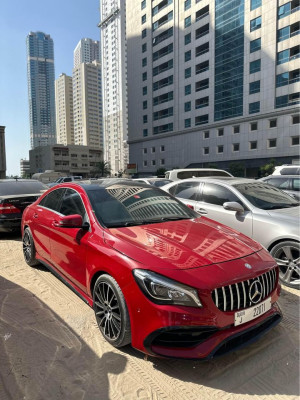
[(50, 348)]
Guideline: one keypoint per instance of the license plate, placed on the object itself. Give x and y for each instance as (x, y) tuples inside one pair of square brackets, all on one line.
[(241, 317)]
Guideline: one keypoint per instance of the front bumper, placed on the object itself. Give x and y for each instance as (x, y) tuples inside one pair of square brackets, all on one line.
[(10, 224)]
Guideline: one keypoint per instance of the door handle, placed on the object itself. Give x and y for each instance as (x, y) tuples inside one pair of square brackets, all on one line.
[(201, 211), (55, 223)]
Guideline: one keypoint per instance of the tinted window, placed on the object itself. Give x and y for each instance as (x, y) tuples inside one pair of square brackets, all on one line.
[(191, 174), (53, 200), (160, 183), (67, 180), (215, 194), (72, 204), (186, 190), (280, 183), (21, 187), (296, 184), (289, 171)]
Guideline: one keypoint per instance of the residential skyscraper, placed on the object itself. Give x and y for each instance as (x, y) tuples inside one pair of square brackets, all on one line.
[(113, 52), (2, 153), (212, 82), (64, 109), (40, 75), (87, 105), (86, 51)]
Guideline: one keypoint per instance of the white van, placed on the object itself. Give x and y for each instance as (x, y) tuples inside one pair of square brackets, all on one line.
[(177, 174)]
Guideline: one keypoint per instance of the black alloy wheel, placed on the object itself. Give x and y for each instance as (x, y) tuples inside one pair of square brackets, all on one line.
[(286, 255), (111, 311), (29, 251)]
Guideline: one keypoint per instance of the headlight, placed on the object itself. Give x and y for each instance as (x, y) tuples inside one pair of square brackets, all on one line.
[(162, 290)]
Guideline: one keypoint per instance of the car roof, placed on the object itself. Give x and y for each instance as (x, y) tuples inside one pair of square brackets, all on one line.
[(217, 179), (21, 186), (94, 185), (280, 177)]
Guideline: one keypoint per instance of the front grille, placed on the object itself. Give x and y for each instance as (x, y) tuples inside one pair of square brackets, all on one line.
[(236, 296)]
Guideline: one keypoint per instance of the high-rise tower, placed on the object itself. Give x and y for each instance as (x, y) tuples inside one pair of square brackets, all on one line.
[(64, 109), (86, 51), (40, 74)]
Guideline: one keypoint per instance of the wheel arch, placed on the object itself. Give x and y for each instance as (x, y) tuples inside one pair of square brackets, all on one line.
[(281, 240)]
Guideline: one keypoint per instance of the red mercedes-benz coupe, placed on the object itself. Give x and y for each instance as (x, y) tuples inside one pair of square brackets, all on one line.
[(158, 276)]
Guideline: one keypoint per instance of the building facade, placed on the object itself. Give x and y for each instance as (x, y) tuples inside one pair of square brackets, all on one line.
[(64, 110), (24, 168), (69, 160), (40, 76), (2, 153), (86, 51), (87, 105), (213, 83), (114, 69)]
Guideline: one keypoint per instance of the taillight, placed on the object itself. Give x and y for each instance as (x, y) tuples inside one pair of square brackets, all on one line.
[(7, 208)]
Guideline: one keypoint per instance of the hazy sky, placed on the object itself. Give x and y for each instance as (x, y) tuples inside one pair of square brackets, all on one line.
[(67, 21)]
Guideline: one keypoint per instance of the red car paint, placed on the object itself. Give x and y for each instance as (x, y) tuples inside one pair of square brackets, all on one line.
[(200, 253)]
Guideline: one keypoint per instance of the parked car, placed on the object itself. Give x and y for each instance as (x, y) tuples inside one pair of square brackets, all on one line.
[(260, 211), (288, 183), (15, 195), (157, 275), (158, 182), (177, 174), (287, 170), (64, 179)]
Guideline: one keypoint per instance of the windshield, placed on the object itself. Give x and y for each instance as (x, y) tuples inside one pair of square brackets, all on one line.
[(119, 206), (265, 196)]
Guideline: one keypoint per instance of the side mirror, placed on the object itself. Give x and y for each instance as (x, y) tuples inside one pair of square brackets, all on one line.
[(233, 206), (71, 221)]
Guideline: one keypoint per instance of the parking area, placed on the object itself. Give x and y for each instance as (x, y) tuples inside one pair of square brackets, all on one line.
[(50, 348)]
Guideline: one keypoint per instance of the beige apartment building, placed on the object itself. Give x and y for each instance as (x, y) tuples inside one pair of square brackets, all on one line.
[(2, 153), (213, 83), (64, 110), (87, 105)]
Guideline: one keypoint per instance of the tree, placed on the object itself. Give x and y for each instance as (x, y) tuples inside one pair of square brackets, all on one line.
[(268, 169), (160, 172), (237, 169), (102, 168)]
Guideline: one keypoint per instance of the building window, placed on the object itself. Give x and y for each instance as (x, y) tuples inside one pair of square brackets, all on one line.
[(295, 119), (144, 76), (163, 20), (163, 52), (143, 18), (187, 55), (206, 150), (282, 79), (272, 123), (254, 87), (206, 135), (221, 132), (163, 67), (220, 149), (255, 4), (145, 163), (167, 112), (162, 161), (287, 100), (162, 148), (284, 10), (202, 67), (236, 147), (200, 32), (161, 6), (144, 151), (283, 56), (255, 66), (143, 4), (187, 21), (153, 162), (201, 85), (187, 4), (187, 106), (187, 72), (255, 24), (145, 119), (144, 33), (162, 36), (203, 102), (144, 90), (255, 45), (253, 126), (145, 132), (152, 149), (163, 128), (254, 107), (202, 13), (187, 89), (187, 123), (201, 119), (144, 62), (145, 104), (202, 49), (283, 34), (163, 82), (253, 145), (144, 47), (272, 143), (236, 129), (187, 38), (163, 98), (295, 140)]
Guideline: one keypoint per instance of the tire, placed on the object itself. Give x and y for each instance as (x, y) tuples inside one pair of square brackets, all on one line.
[(29, 251), (111, 311), (286, 255)]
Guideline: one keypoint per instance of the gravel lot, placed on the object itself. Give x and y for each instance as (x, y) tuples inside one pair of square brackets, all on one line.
[(50, 348)]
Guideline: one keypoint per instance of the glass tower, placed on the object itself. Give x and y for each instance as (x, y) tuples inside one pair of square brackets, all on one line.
[(40, 75)]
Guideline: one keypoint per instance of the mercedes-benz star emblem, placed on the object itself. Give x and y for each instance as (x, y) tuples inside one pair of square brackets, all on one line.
[(248, 266), (255, 292)]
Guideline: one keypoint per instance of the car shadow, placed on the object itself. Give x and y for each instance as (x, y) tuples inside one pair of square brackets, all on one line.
[(17, 236), (41, 357)]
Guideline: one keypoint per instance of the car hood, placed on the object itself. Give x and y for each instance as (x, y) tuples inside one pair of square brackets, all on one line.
[(287, 214), (181, 244)]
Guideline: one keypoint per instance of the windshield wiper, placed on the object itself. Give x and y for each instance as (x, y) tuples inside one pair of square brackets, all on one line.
[(147, 221)]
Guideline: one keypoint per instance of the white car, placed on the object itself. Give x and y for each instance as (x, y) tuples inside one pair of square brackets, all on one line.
[(158, 182), (186, 173), (287, 170)]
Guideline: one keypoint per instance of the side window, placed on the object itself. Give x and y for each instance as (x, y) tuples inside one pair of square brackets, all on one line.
[(187, 190), (67, 180), (72, 204), (53, 200), (296, 184), (289, 171), (279, 183), (218, 195)]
